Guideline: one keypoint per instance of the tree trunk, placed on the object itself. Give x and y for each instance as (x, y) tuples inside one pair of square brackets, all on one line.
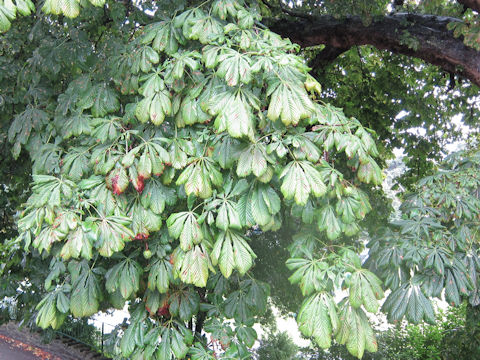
[(422, 36)]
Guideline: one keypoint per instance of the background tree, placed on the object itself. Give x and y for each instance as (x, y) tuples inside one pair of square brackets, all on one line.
[(135, 106)]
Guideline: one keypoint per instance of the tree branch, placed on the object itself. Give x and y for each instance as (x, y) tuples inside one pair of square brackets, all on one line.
[(433, 42), (472, 4)]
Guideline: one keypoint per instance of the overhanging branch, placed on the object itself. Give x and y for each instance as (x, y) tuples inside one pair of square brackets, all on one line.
[(433, 42), (472, 4)]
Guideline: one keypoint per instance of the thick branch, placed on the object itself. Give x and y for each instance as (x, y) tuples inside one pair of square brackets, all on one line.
[(472, 4), (434, 43)]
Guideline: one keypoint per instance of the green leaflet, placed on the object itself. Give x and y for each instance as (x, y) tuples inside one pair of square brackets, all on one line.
[(231, 251), (253, 160), (234, 111), (194, 266), (100, 98), (198, 352), (184, 226), (164, 35), (156, 196), (144, 221), (124, 276), (247, 302), (23, 124), (77, 244), (234, 67), (309, 274), (152, 160), (199, 177), (300, 178), (410, 301), (69, 8), (86, 292), (288, 102), (184, 303), (52, 310), (154, 108), (318, 318), (51, 190), (329, 222), (355, 331), (111, 234), (370, 172), (160, 275), (365, 288)]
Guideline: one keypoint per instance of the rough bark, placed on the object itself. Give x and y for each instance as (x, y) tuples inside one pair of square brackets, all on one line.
[(435, 44), (472, 4)]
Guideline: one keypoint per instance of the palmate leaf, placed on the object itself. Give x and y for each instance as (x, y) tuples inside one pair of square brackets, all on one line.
[(246, 302), (86, 291), (300, 178), (100, 98), (309, 274), (144, 58), (410, 301), (365, 288), (235, 67), (198, 352), (206, 29), (194, 267), (233, 109), (164, 343), (258, 206), (104, 157), (330, 222), (160, 275), (182, 60), (51, 190), (78, 244), (52, 310), (191, 113), (355, 331), (144, 221), (76, 163), (105, 129), (289, 102), (31, 119), (163, 36), (370, 173), (318, 318), (154, 107), (199, 177), (8, 10), (265, 203), (45, 239), (253, 159), (225, 8), (456, 284), (227, 216), (184, 303), (227, 151), (135, 332), (231, 251), (179, 151), (152, 160), (75, 125), (111, 233), (124, 276), (156, 196), (185, 226), (69, 8)]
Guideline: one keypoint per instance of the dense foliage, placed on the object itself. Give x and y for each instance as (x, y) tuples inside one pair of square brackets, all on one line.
[(449, 338), (166, 140)]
